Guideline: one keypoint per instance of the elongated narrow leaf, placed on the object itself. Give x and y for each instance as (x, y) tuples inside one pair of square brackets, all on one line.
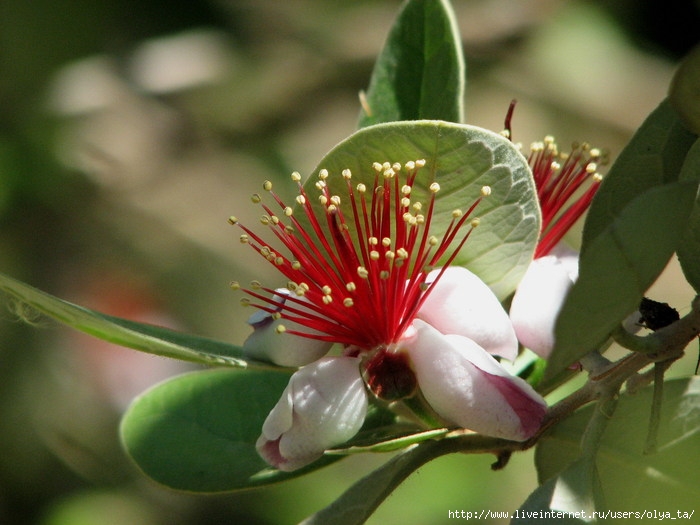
[(653, 157), (617, 268), (420, 72), (632, 480), (461, 159), (139, 336)]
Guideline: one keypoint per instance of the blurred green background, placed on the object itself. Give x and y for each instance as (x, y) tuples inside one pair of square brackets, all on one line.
[(131, 130)]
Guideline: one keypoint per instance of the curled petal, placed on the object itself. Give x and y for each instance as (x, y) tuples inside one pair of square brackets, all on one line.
[(462, 304), (269, 343), (466, 385), (324, 405), (538, 300)]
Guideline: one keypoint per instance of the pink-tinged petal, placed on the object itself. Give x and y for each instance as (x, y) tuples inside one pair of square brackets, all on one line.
[(467, 386), (462, 304), (324, 405), (267, 343), (538, 300)]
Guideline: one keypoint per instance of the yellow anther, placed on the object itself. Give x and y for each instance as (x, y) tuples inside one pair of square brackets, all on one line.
[(405, 202), (361, 188), (433, 241), (475, 222), (327, 299), (280, 329), (243, 239), (267, 185), (347, 174), (245, 301), (406, 189), (420, 163), (384, 275), (373, 241), (255, 285), (323, 174), (362, 272), (348, 302), (350, 287), (326, 290), (235, 285), (296, 176), (456, 214), (288, 211), (485, 191), (386, 242), (296, 265), (335, 199), (233, 220), (255, 198), (396, 166), (301, 200), (377, 166), (323, 199), (434, 187), (374, 255), (402, 253), (410, 165)]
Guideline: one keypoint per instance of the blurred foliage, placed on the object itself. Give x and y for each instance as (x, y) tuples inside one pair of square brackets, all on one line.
[(130, 131)]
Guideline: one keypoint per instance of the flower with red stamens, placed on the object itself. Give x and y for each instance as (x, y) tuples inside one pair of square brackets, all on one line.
[(374, 277), (566, 184)]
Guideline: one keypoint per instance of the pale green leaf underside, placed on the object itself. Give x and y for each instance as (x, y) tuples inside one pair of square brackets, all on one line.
[(139, 336), (689, 249), (420, 71), (630, 479), (462, 159)]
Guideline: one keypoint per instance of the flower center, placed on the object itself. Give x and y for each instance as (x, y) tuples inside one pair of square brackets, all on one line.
[(356, 273)]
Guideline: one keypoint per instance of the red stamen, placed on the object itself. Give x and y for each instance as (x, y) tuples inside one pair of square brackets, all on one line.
[(559, 179), (360, 283)]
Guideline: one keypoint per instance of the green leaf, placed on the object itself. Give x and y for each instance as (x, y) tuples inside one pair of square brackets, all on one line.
[(420, 71), (393, 444), (684, 93), (653, 157), (356, 504), (197, 432), (689, 249), (617, 268), (462, 159), (570, 497), (139, 336), (633, 481)]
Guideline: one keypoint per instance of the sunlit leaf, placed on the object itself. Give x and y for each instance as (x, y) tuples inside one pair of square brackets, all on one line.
[(139, 336), (653, 157), (420, 71), (616, 269), (630, 479), (462, 159)]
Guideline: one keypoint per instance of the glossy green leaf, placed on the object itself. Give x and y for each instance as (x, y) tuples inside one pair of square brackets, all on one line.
[(462, 159), (571, 497), (653, 157), (616, 269), (139, 336), (420, 71), (631, 480), (689, 249), (197, 432)]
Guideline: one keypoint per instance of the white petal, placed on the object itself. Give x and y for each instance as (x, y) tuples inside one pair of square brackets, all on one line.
[(283, 349), (324, 405), (467, 386), (462, 304), (538, 300)]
